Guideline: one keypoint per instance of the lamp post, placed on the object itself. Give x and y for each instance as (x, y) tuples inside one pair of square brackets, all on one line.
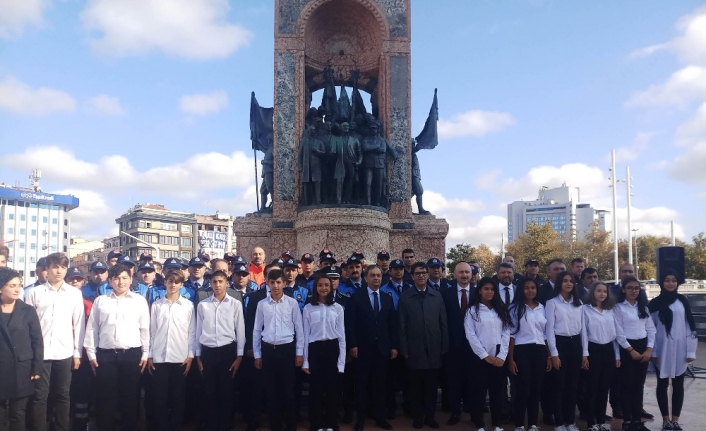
[(637, 253)]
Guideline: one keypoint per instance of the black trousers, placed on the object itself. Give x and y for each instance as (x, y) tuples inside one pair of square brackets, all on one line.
[(631, 376), (278, 372), (12, 414), (601, 366), (396, 381), (531, 361), (82, 394), (324, 384), (117, 383), (487, 379), (168, 384), (349, 382), (677, 395), (55, 382), (458, 378), (371, 369), (218, 385), (249, 383), (567, 379), (423, 389)]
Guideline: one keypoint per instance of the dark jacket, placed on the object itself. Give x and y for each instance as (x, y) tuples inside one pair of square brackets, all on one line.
[(424, 332), (21, 352), (364, 330), (545, 293), (454, 318)]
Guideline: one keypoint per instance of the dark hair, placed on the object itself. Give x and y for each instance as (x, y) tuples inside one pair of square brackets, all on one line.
[(407, 251), (314, 300), (505, 265), (369, 267), (574, 292), (57, 259), (578, 260), (118, 269), (587, 271), (496, 303), (416, 265), (219, 273), (269, 266), (176, 275), (274, 274), (7, 274), (218, 260), (555, 260), (520, 299), (590, 297), (4, 251), (641, 299)]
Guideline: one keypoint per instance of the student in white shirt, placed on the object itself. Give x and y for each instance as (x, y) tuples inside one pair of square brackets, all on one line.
[(117, 344), (487, 326), (563, 313), (675, 346), (278, 348), (219, 346), (172, 331), (635, 333), (324, 354), (528, 357), (600, 352), (60, 310)]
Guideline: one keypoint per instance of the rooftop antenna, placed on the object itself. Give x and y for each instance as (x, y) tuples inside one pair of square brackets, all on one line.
[(34, 178)]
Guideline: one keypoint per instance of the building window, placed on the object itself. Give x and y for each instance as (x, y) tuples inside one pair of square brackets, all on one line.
[(168, 226), (66, 235), (53, 234), (45, 219), (23, 217), (10, 216), (186, 242), (21, 259), (9, 259), (66, 222), (54, 221), (64, 249), (186, 255), (10, 230), (32, 259), (162, 254), (34, 219), (32, 246), (31, 273), (23, 231), (33, 232), (53, 248), (141, 223), (186, 228)]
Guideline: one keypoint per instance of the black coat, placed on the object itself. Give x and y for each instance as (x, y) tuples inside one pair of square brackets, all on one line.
[(545, 293), (21, 352), (424, 332), (454, 319), (364, 330)]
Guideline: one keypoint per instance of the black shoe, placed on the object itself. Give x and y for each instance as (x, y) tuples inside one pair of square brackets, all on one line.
[(383, 424), (391, 414), (548, 419), (418, 423), (431, 423), (617, 414), (347, 417), (453, 420), (359, 426), (646, 415)]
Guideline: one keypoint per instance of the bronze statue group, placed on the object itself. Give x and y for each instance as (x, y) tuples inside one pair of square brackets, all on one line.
[(197, 341)]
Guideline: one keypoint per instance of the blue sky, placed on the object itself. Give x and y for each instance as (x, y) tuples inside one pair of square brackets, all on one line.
[(123, 102)]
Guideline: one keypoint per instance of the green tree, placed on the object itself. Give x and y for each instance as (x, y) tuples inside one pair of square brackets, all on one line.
[(487, 260), (538, 242), (695, 256)]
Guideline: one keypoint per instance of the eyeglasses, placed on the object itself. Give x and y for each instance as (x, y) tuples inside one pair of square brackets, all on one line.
[(416, 274)]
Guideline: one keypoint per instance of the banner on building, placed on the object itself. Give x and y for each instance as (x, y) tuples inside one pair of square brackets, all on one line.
[(213, 243)]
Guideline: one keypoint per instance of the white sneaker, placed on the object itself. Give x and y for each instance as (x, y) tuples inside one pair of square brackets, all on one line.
[(572, 427), (594, 428), (605, 427), (498, 429)]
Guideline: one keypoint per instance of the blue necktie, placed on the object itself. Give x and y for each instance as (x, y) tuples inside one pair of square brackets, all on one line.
[(376, 305)]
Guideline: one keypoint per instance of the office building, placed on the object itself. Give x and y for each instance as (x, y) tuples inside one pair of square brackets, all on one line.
[(559, 206)]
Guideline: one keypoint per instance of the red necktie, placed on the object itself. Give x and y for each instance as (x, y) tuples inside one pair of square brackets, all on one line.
[(464, 301)]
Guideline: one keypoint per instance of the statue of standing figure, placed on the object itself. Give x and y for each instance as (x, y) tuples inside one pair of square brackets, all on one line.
[(375, 147), (311, 150), (348, 157)]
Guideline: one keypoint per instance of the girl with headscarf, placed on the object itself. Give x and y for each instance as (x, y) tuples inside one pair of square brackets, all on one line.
[(675, 346)]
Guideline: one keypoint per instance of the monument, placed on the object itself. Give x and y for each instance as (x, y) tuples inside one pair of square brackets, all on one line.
[(341, 173)]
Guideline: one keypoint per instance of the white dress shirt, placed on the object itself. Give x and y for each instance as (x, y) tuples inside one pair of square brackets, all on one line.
[(219, 323), (172, 330), (598, 327), (118, 323), (629, 326), (563, 318), (532, 327), (277, 322), (324, 322), (372, 298), (468, 294), (61, 318), (510, 289), (485, 334)]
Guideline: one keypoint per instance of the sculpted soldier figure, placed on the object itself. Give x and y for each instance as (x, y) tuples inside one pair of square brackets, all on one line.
[(311, 149), (374, 150), (268, 172), (349, 157), (417, 189), (328, 163)]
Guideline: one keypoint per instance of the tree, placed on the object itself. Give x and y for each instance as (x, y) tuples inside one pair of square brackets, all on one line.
[(695, 255), (538, 242), (595, 247), (487, 260)]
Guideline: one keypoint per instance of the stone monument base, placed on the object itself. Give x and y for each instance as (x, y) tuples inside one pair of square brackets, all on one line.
[(342, 230)]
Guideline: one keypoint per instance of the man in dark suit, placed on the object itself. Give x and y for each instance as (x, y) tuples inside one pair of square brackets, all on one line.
[(554, 267), (459, 357), (424, 338), (371, 338), (436, 279)]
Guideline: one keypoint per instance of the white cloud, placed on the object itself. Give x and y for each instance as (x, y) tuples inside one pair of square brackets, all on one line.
[(690, 46), (15, 15), (648, 50), (105, 105), (187, 180), (20, 98), (205, 103), (93, 218), (684, 86), (649, 221), (639, 144), (191, 29), (474, 123), (690, 167), (694, 130)]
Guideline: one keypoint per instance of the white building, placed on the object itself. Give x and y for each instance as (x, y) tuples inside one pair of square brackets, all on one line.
[(34, 224), (561, 207)]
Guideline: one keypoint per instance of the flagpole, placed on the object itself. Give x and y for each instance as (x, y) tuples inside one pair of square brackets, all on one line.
[(257, 194)]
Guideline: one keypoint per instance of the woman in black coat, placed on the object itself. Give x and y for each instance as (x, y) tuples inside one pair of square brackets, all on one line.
[(21, 352)]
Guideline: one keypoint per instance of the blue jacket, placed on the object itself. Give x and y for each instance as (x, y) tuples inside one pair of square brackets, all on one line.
[(159, 292), (91, 291), (390, 289), (142, 289), (348, 288), (300, 293)]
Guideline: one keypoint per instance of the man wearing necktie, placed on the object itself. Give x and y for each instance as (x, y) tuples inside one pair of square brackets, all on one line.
[(505, 273), (436, 280), (424, 338)]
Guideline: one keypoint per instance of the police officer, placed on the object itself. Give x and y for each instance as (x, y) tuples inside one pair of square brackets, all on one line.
[(436, 280), (97, 277), (40, 271), (112, 258), (134, 287), (383, 261), (326, 258), (306, 278), (197, 280), (355, 276), (291, 288), (157, 292)]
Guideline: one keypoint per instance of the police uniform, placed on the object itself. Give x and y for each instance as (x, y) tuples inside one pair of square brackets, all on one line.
[(349, 288), (302, 279), (443, 283), (384, 255), (90, 289)]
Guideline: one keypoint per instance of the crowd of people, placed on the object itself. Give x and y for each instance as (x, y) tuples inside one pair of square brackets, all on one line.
[(195, 341)]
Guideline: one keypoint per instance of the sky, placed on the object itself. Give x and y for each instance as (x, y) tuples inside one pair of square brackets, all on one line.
[(121, 102)]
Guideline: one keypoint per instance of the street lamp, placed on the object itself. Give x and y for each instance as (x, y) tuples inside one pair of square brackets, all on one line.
[(637, 250)]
